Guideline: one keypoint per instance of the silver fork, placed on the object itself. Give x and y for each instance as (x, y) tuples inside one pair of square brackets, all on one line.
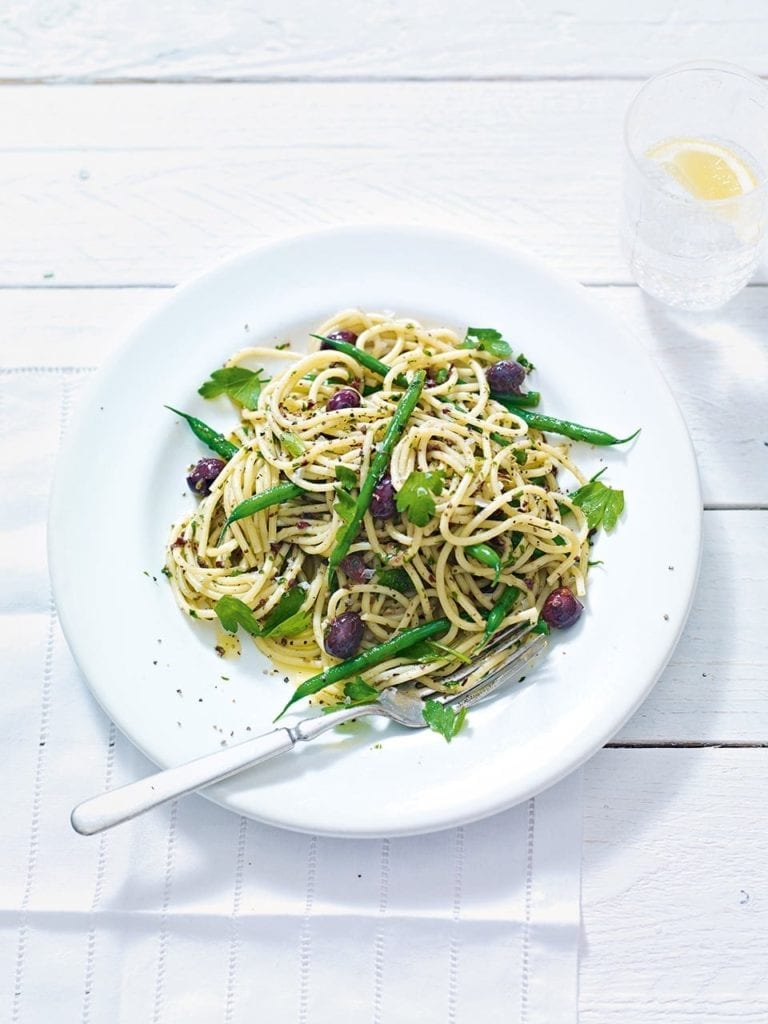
[(403, 704)]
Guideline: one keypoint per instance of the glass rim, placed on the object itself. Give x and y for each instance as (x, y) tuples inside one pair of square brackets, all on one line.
[(670, 72)]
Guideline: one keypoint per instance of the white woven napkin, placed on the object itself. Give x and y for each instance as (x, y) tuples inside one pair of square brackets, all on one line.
[(191, 914)]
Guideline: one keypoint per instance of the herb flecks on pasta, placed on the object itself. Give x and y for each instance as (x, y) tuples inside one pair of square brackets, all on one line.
[(378, 483)]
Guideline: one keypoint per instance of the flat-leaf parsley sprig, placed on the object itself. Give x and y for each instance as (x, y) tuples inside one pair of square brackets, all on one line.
[(489, 340), (240, 384), (357, 693), (443, 719), (287, 618), (602, 505), (415, 496)]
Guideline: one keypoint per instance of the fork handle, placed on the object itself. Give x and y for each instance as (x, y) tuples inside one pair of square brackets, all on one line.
[(119, 805)]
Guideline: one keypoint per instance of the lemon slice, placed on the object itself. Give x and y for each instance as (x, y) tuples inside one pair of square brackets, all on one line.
[(708, 170)]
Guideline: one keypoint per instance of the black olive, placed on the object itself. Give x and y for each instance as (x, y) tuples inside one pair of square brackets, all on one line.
[(505, 377), (349, 336), (355, 569), (561, 609), (203, 475), (347, 398), (343, 635), (383, 501)]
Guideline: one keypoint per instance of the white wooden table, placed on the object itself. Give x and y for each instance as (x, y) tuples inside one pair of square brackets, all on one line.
[(140, 143)]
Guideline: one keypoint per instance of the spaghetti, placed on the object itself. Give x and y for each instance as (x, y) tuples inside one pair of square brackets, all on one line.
[(494, 528)]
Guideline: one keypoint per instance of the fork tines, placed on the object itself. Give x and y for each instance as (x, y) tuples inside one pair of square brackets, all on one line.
[(507, 638)]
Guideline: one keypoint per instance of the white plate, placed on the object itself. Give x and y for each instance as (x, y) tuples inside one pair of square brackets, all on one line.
[(120, 483)]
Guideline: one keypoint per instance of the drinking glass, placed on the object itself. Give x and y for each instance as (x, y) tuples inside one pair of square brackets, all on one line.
[(690, 251)]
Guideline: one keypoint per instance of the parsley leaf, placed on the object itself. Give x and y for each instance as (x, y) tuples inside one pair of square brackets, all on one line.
[(526, 364), (488, 340), (293, 445), (346, 477), (345, 503), (344, 506), (427, 651), (295, 625), (396, 579), (233, 612), (244, 386), (450, 653), (443, 719), (415, 496), (356, 693), (285, 619), (602, 505), (423, 653)]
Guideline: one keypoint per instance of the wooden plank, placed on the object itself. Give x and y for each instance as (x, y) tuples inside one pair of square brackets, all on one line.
[(68, 327), (465, 126), (713, 688), (673, 891), (108, 40), (156, 182), (716, 365)]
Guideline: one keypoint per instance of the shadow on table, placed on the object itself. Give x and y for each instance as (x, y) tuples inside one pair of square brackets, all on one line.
[(716, 365), (655, 762)]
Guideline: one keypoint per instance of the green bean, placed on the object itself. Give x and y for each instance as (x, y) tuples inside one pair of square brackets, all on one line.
[(272, 496), (485, 554), (399, 643), (378, 466), (210, 437), (364, 358), (576, 431), (527, 399), (499, 612)]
